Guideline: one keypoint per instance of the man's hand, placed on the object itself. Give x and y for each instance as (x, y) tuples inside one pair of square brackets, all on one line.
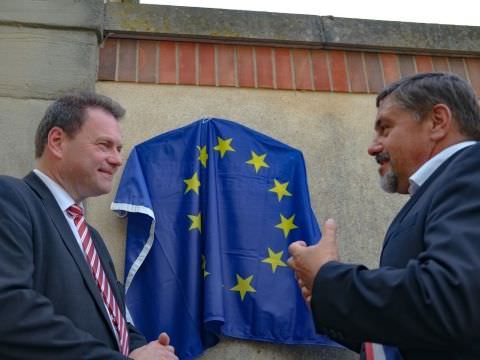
[(306, 261), (159, 349)]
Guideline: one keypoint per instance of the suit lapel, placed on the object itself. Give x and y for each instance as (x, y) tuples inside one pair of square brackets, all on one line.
[(65, 233), (401, 215)]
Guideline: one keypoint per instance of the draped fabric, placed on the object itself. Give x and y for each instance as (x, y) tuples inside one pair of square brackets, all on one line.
[(212, 208)]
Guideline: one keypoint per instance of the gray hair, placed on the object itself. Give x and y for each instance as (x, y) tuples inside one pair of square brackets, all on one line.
[(419, 93), (68, 113)]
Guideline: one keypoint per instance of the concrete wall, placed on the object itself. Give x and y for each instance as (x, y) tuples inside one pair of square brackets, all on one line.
[(333, 131), (47, 48)]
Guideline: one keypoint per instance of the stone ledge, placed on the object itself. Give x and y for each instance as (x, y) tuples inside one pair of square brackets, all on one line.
[(399, 36), (320, 32), (54, 14)]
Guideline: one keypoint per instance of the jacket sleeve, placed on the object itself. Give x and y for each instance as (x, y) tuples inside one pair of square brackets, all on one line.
[(30, 328), (432, 302)]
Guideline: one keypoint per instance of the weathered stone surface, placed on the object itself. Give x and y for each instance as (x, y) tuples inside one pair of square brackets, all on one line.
[(160, 21), (233, 349), (46, 63), (403, 36), (18, 123), (85, 14), (180, 21)]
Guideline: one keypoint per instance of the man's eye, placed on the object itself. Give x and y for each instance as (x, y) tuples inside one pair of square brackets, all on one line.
[(384, 130)]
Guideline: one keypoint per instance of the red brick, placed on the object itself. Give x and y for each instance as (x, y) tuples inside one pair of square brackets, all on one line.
[(147, 54), (263, 57), (457, 66), (226, 65), (356, 73), (407, 67), (339, 71), (440, 63), (424, 63), (473, 66), (186, 63), (321, 79), (206, 64), (108, 60), (246, 74), (374, 72), (127, 60), (391, 71), (303, 69), (283, 69), (167, 63)]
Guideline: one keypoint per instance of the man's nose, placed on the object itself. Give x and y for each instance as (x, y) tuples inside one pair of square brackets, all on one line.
[(116, 158), (375, 148)]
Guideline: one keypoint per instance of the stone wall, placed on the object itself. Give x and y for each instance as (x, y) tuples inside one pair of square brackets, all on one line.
[(48, 48)]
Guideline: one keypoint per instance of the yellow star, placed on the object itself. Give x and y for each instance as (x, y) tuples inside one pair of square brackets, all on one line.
[(204, 267), (258, 161), (223, 146), (243, 286), (274, 259), (203, 157), (192, 184), (196, 222), (286, 224), (280, 189)]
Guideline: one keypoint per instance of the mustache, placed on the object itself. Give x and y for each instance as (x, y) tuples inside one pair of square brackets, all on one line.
[(382, 157)]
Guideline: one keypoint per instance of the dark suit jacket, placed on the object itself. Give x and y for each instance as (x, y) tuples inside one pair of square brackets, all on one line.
[(50, 305), (425, 297)]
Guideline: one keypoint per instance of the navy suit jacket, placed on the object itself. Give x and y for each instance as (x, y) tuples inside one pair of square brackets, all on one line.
[(50, 305), (425, 296)]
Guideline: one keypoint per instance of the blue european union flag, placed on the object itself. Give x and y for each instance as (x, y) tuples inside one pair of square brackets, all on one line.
[(212, 208)]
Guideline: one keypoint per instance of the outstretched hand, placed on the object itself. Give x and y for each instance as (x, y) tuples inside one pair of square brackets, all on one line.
[(306, 261)]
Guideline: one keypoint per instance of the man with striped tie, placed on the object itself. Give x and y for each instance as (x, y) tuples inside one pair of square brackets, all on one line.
[(423, 300), (59, 296)]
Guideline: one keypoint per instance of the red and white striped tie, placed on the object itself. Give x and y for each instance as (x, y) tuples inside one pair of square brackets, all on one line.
[(118, 320), (373, 351)]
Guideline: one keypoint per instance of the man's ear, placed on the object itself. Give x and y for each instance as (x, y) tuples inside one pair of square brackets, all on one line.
[(442, 122), (56, 141)]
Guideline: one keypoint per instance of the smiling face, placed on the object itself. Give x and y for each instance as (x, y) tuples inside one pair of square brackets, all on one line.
[(89, 159), (401, 145)]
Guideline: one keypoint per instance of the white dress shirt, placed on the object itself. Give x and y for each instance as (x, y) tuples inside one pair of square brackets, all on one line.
[(64, 200), (427, 169)]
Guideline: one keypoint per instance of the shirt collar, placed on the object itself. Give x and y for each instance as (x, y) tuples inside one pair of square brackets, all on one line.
[(64, 200), (427, 169)]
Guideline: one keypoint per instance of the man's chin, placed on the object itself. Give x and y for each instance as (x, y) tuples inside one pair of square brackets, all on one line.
[(389, 182), (103, 189)]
